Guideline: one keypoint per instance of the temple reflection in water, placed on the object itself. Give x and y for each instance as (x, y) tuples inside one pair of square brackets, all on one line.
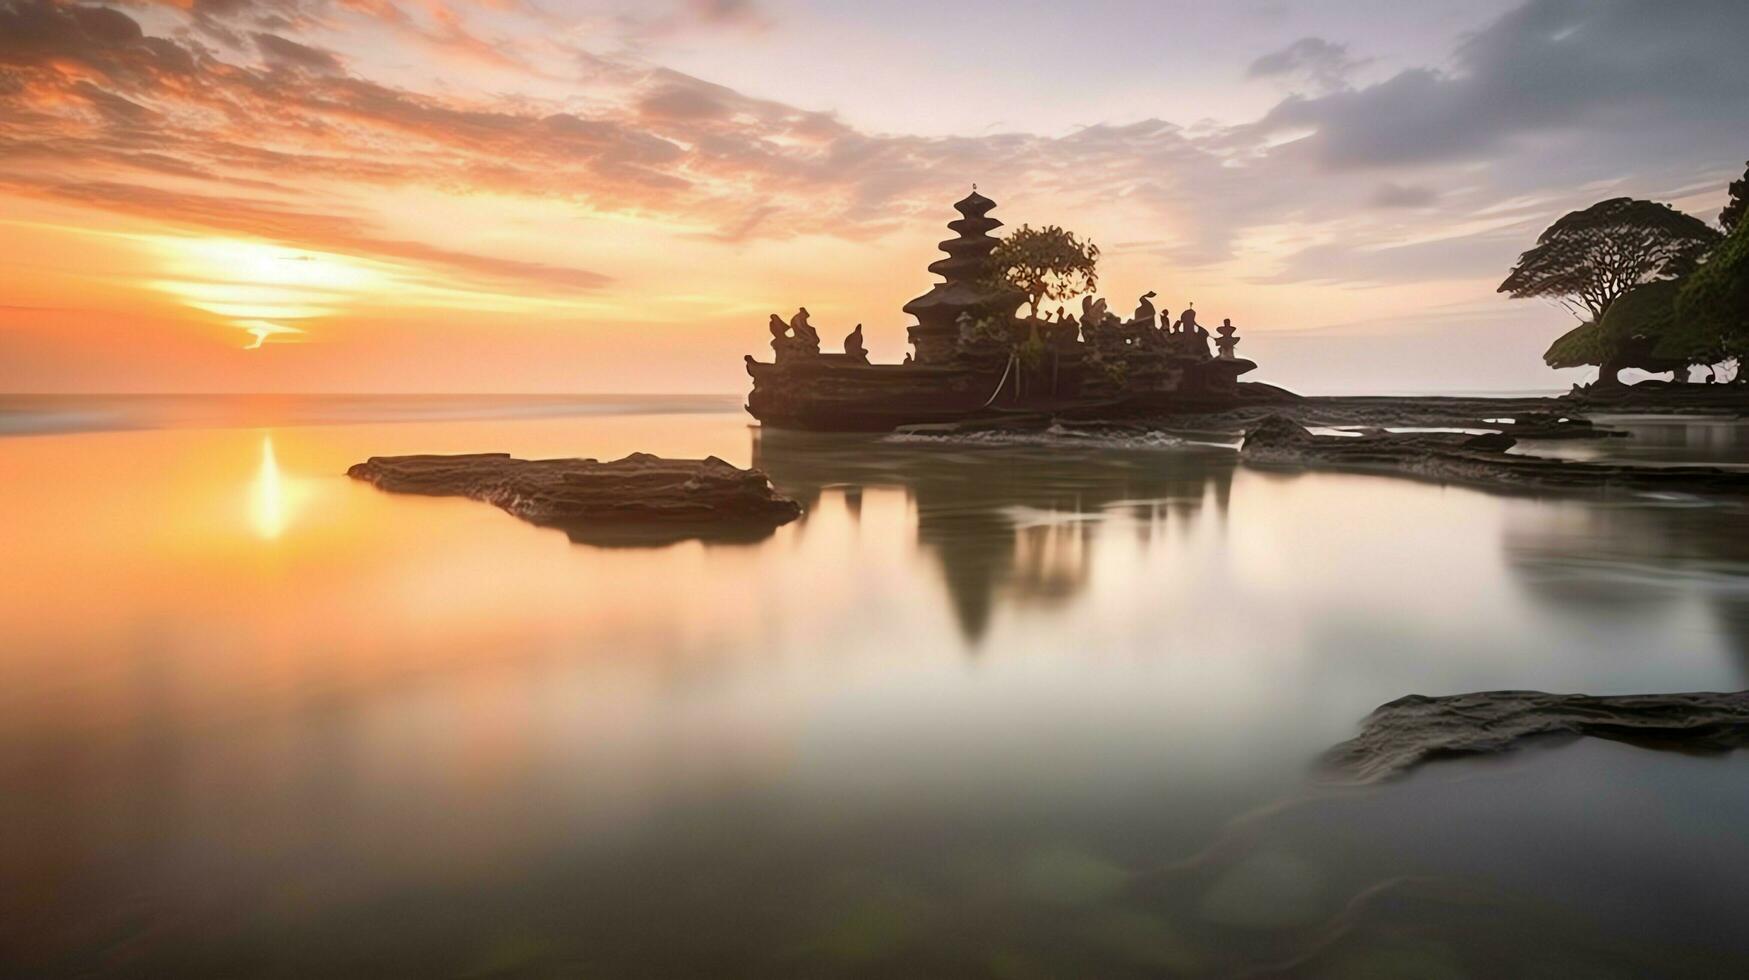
[(1017, 522)]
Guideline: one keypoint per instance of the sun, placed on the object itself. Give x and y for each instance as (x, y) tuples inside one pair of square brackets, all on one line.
[(274, 292), (262, 288)]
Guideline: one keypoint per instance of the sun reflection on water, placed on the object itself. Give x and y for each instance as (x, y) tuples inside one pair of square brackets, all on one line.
[(267, 496)]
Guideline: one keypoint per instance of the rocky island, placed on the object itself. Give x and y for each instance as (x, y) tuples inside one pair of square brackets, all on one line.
[(641, 499), (974, 355)]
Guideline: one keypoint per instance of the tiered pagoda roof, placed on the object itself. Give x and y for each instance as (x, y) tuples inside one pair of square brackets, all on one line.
[(966, 288)]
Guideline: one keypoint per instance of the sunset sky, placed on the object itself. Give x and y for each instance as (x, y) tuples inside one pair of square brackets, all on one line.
[(560, 195)]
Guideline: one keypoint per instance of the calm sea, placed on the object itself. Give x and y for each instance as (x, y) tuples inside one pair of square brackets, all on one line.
[(1037, 708)]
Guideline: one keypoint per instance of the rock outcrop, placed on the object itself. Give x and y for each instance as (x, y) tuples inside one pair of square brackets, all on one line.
[(1475, 459), (1412, 730), (1525, 418), (641, 499)]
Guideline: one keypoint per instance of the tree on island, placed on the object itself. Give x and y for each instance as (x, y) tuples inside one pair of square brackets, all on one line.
[(1673, 324), (1592, 258), (1046, 264), (1732, 215), (1620, 262)]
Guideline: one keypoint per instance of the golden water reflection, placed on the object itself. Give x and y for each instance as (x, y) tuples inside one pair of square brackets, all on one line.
[(267, 504), (243, 698)]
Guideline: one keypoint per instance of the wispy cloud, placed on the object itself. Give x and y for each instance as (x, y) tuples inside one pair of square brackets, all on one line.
[(200, 128), (1324, 63)]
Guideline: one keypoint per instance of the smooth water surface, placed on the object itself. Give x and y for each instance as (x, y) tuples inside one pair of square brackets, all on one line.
[(1020, 710)]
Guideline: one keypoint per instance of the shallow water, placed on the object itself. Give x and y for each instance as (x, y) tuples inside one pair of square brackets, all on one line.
[(986, 710)]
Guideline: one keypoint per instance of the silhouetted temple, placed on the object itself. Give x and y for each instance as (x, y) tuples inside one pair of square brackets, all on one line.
[(974, 356), (967, 288)]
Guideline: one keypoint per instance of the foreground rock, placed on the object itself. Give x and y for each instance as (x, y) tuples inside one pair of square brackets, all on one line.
[(1476, 459), (1415, 729), (641, 499)]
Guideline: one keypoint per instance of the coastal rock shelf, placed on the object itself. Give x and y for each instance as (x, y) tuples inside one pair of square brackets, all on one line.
[(641, 499), (1524, 418), (1475, 459), (1415, 729)]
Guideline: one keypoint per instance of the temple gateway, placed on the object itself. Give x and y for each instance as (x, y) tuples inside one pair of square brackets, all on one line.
[(973, 355)]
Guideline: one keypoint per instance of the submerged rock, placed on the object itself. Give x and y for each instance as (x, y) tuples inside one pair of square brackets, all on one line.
[(1478, 459), (1412, 730), (641, 499)]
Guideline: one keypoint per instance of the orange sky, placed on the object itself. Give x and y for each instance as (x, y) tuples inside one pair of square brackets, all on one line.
[(505, 195)]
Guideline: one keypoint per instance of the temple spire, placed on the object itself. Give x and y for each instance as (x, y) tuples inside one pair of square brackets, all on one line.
[(966, 285)]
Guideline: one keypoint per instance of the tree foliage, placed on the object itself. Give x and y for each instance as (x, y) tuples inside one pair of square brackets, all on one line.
[(1046, 264), (1712, 307), (1581, 346), (1732, 216), (1637, 332), (1702, 318), (1592, 258)]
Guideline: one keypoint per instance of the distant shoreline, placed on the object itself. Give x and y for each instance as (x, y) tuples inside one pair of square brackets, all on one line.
[(54, 414), (28, 414)]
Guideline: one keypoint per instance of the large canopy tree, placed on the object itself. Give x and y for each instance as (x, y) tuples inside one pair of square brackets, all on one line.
[(1702, 318), (1046, 264), (1592, 258)]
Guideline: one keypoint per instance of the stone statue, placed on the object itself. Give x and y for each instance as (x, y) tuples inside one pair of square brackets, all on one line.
[(1226, 341), (804, 332), (1144, 317), (1092, 319), (1102, 328), (1196, 337), (853, 346), (780, 341), (1162, 336)]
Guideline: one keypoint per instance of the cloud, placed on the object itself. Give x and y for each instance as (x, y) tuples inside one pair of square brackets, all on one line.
[(1394, 195), (1324, 63), (748, 16), (1547, 67), (739, 12), (278, 49), (90, 104), (684, 102), (39, 33), (297, 225), (1481, 256), (440, 25)]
